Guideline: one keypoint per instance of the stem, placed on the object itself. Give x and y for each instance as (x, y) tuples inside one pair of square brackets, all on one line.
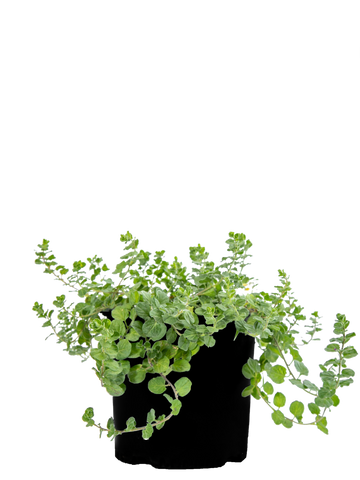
[(119, 432), (270, 408)]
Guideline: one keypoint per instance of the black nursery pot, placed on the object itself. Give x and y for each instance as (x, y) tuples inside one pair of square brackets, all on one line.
[(213, 423)]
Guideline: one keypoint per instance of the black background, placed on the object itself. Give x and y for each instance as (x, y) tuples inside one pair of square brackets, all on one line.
[(321, 261)]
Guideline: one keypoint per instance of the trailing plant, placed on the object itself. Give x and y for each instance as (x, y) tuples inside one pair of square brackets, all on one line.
[(163, 315)]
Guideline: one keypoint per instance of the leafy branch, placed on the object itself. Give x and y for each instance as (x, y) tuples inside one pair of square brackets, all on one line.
[(161, 315), (325, 397)]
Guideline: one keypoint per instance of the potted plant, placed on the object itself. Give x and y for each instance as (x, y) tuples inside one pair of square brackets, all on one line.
[(161, 334)]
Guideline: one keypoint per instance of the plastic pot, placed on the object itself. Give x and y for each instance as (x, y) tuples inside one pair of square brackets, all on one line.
[(212, 425)]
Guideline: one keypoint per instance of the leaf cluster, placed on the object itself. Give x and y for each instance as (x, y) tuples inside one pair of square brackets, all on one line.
[(161, 315)]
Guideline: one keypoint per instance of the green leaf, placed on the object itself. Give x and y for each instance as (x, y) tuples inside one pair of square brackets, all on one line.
[(181, 366), (115, 390), (321, 424), (161, 365), (113, 365), (118, 326), (209, 340), (84, 336), (269, 389), (297, 382), (278, 417), (349, 352), (151, 416), (287, 423), (137, 350), (314, 408), (183, 343), (114, 376), (254, 365), (153, 329), (47, 324), (80, 306), (270, 355), (110, 425), (120, 313), (77, 266), (89, 413), (85, 310), (119, 267), (183, 386), (108, 302), (345, 383), (124, 349), (324, 402), (188, 318), (297, 409), (300, 367), (220, 306), (148, 431), (59, 299), (76, 351), (332, 347), (247, 391), (348, 336), (255, 379), (134, 297), (247, 372), (175, 406), (97, 354), (142, 310), (328, 379), (130, 424), (162, 296), (277, 373), (146, 296), (273, 349), (279, 399), (347, 372), (159, 419), (170, 399), (310, 385), (157, 385), (190, 335), (111, 349), (137, 326), (137, 374), (336, 400)]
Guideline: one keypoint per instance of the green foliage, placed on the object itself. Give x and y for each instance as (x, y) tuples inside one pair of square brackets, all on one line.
[(162, 316)]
